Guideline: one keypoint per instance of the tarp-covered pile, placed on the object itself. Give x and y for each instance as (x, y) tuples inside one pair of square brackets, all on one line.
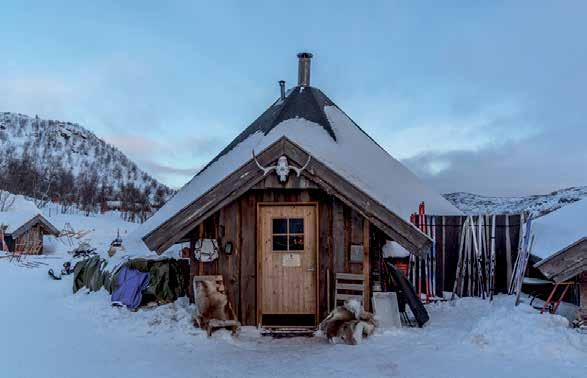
[(167, 280)]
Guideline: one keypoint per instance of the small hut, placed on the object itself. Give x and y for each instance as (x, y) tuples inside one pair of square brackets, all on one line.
[(302, 197), (22, 227), (561, 242)]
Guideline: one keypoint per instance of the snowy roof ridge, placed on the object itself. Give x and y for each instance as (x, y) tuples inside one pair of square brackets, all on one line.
[(300, 102)]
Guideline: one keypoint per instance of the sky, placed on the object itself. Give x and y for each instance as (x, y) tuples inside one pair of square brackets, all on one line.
[(484, 97)]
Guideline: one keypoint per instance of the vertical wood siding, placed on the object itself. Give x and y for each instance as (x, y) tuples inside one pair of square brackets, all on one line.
[(339, 228)]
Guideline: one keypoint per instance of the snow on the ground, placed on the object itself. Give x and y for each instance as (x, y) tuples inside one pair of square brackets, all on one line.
[(103, 230), (48, 331)]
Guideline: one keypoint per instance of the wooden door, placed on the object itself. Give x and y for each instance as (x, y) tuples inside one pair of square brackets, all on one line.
[(287, 263)]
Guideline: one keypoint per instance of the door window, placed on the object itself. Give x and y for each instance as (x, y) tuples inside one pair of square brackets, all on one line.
[(288, 234)]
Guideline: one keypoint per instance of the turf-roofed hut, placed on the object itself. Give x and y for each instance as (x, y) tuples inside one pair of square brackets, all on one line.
[(301, 194)]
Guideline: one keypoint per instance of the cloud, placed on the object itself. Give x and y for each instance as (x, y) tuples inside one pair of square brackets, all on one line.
[(164, 157), (484, 98), (530, 166), (120, 100), (175, 177)]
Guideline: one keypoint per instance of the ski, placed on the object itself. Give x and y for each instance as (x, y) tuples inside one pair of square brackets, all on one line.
[(492, 261), (459, 272)]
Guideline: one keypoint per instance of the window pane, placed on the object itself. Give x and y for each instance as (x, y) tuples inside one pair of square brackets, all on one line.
[(296, 226), (279, 243), (296, 242), (280, 226)]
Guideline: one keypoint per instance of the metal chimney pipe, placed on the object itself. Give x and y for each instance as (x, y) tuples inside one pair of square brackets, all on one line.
[(282, 89), (304, 59)]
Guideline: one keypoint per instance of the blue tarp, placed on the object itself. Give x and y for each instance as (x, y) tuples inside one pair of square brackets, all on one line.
[(131, 284)]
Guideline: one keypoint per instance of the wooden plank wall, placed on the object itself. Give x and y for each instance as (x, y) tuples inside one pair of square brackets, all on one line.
[(339, 228), (448, 230)]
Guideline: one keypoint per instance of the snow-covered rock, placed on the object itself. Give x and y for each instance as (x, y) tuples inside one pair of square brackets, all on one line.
[(538, 205)]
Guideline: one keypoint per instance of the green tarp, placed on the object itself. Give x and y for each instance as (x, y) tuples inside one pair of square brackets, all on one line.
[(166, 278)]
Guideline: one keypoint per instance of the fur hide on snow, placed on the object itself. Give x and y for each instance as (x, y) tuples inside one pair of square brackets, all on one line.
[(350, 323), (211, 304)]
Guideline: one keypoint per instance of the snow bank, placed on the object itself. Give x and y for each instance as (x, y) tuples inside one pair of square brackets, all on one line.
[(161, 321), (523, 331)]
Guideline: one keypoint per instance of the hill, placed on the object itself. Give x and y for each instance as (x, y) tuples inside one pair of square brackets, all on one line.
[(65, 163)]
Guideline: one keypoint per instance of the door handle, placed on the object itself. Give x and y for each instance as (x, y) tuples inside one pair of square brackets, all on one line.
[(311, 270)]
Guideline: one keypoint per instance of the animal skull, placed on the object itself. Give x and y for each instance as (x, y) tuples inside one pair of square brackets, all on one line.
[(282, 168)]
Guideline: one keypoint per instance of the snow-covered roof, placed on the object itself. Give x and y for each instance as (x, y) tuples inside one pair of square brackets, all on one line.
[(559, 229), (334, 139), (18, 214)]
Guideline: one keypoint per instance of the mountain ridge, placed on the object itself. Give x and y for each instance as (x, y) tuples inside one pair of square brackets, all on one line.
[(53, 160)]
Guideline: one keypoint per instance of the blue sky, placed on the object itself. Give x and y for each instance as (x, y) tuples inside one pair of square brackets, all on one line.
[(483, 97)]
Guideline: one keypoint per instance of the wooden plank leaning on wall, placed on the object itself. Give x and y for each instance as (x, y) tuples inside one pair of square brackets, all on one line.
[(366, 266)]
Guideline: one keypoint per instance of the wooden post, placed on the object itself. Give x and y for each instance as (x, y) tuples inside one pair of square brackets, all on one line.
[(193, 270), (583, 296), (508, 250), (201, 236), (443, 256), (366, 266)]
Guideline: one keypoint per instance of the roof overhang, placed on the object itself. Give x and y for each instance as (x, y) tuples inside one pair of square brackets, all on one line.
[(566, 263), (245, 177)]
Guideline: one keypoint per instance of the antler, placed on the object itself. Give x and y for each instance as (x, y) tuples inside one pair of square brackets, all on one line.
[(299, 170), (265, 170)]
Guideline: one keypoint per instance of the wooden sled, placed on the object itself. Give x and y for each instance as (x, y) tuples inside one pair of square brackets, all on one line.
[(214, 324)]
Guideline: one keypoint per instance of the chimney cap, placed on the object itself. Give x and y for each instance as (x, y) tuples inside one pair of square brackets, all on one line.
[(305, 55)]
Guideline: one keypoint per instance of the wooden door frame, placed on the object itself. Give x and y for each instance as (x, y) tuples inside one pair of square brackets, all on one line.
[(259, 259)]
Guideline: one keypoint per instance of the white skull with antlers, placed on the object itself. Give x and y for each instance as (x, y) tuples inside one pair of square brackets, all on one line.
[(282, 167)]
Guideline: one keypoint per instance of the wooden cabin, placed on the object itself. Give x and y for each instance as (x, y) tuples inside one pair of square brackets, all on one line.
[(24, 234), (569, 264), (300, 197)]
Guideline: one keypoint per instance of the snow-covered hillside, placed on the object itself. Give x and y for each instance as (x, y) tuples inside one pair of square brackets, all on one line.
[(539, 205), (66, 157)]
